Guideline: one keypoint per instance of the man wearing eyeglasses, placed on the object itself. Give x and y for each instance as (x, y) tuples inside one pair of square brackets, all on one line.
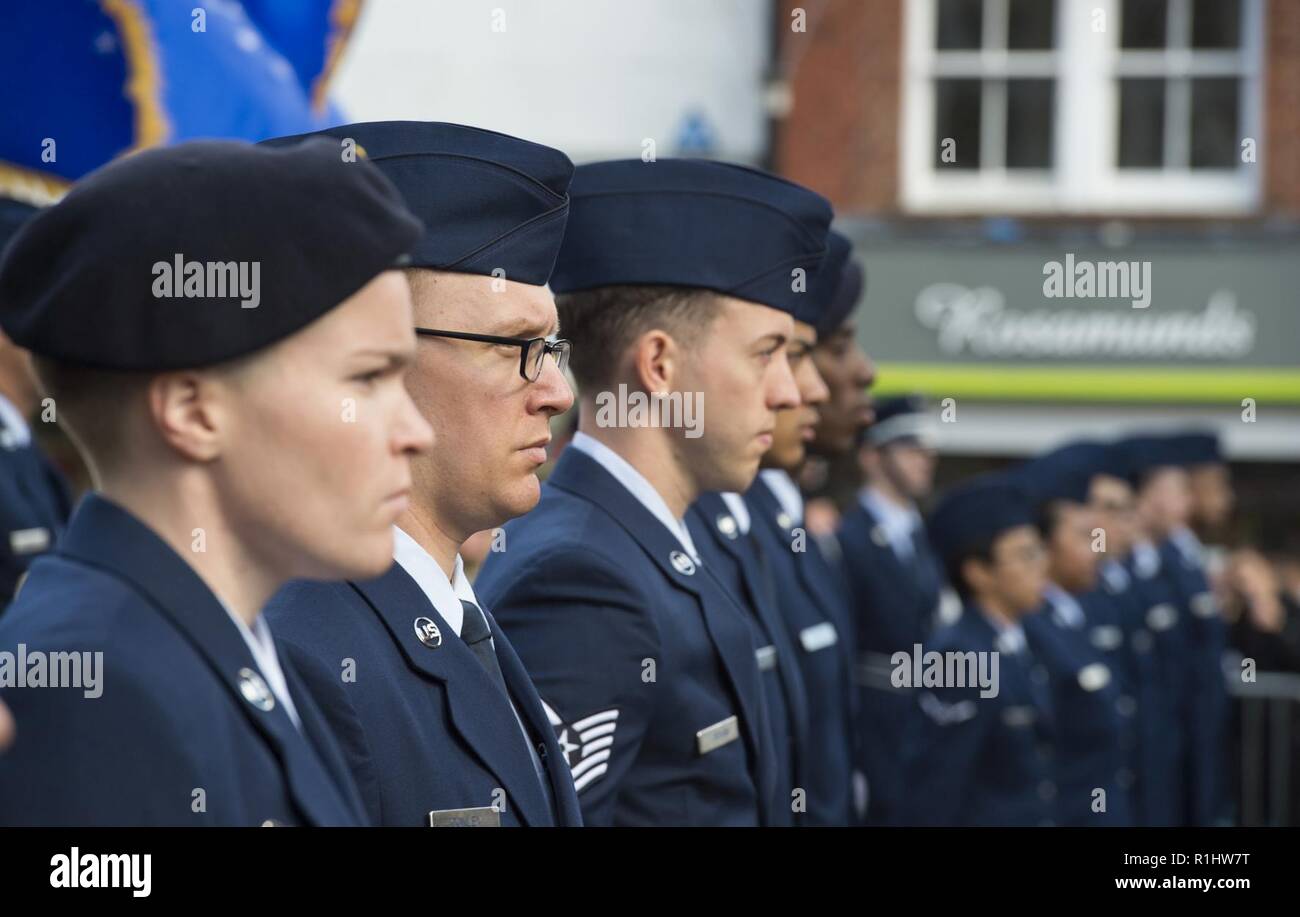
[(439, 719)]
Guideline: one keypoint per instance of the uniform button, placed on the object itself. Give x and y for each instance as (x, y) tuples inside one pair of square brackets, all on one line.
[(255, 690), (1047, 790), (1126, 706), (271, 823)]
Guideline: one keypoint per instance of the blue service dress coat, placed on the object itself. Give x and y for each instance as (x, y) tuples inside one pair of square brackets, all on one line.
[(627, 639), (814, 608), (735, 560), (894, 601), (975, 761), (186, 730), (1160, 630), (1110, 615), (1095, 738), (425, 730), (1209, 710)]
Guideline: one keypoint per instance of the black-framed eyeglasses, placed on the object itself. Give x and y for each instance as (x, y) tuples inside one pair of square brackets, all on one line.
[(532, 351)]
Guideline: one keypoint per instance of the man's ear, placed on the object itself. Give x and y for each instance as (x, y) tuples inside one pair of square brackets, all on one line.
[(184, 410), (656, 361)]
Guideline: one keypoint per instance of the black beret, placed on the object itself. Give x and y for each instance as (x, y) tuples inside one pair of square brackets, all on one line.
[(977, 511), (93, 280), (13, 214), (693, 223), (489, 201)]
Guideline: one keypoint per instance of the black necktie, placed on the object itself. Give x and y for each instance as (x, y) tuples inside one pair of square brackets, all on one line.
[(477, 635)]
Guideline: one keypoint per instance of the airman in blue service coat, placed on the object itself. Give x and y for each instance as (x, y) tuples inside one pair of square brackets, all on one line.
[(848, 374), (816, 616), (34, 497), (1118, 630), (441, 723), (810, 593), (803, 613), (1160, 486), (206, 409), (1171, 569), (677, 279), (721, 531), (979, 747), (1211, 492), (896, 584), (1096, 732)]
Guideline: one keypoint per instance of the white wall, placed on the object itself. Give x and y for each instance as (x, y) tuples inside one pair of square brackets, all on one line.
[(592, 77)]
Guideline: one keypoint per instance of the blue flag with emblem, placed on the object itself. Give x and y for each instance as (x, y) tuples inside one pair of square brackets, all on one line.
[(90, 80)]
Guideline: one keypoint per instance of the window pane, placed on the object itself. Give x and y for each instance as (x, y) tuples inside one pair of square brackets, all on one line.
[(1141, 123), (957, 118), (1216, 24), (1029, 124), (960, 24), (1143, 23), (1214, 123), (1031, 24)]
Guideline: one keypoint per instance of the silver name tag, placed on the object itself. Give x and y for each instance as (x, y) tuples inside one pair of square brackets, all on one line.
[(818, 637), (766, 656), (711, 738), (485, 817), (29, 541)]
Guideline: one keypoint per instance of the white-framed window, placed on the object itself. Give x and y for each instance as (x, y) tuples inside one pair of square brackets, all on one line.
[(1082, 106)]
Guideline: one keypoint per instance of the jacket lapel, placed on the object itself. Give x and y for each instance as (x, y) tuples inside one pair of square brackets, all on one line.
[(529, 705), (818, 590), (478, 708), (107, 536), (747, 553)]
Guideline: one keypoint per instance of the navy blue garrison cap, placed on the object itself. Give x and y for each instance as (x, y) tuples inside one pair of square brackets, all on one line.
[(693, 223), (1061, 474), (1178, 450), (976, 512), (825, 282), (489, 201), (848, 287), (1198, 447), (903, 417), (195, 254)]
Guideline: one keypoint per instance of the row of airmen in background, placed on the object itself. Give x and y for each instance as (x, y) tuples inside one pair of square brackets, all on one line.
[(657, 640)]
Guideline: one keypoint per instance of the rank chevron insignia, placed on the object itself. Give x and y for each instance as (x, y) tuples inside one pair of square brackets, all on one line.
[(585, 743)]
